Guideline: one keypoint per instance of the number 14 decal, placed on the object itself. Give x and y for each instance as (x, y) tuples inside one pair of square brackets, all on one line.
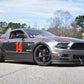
[(18, 46)]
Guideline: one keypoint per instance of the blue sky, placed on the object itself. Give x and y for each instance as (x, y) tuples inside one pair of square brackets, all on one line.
[(37, 12)]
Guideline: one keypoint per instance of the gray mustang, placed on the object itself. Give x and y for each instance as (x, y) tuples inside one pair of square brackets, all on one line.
[(41, 47)]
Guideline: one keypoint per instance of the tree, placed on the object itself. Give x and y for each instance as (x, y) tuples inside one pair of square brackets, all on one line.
[(23, 25), (16, 25), (3, 25), (63, 25), (29, 27), (80, 22), (61, 19), (60, 22)]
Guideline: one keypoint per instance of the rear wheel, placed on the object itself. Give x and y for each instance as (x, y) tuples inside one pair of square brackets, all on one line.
[(42, 55), (1, 56)]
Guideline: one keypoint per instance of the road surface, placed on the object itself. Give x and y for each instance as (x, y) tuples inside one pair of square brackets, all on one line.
[(26, 73)]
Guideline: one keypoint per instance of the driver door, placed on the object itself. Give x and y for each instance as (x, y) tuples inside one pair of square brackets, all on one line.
[(13, 47)]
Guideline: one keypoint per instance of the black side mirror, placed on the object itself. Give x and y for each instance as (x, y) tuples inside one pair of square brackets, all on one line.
[(20, 36)]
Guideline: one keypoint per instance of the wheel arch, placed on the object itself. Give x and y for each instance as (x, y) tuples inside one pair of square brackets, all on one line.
[(41, 44)]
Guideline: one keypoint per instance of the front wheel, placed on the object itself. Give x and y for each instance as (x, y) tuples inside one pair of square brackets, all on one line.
[(42, 55)]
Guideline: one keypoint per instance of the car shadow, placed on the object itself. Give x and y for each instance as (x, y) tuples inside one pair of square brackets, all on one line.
[(52, 65), (65, 65), (22, 63)]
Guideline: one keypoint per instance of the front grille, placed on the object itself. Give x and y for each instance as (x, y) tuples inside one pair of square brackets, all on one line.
[(78, 56), (78, 46)]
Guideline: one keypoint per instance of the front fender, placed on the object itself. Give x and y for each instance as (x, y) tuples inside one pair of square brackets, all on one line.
[(50, 44)]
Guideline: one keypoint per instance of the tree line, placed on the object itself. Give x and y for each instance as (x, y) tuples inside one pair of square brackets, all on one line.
[(4, 26)]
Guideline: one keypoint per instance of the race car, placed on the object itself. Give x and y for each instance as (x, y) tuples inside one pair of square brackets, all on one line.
[(41, 47)]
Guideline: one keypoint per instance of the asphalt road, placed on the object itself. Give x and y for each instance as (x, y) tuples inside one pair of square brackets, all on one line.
[(24, 73)]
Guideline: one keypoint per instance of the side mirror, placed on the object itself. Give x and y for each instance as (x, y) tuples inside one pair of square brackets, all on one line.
[(20, 36)]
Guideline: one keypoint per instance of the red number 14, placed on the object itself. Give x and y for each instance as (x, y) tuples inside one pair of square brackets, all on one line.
[(18, 46)]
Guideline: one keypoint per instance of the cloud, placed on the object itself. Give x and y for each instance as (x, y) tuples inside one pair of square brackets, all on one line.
[(38, 11), (1, 11)]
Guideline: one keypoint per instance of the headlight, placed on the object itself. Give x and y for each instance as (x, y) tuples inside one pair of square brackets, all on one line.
[(62, 45)]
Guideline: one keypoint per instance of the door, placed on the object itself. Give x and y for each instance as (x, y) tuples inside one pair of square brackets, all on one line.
[(16, 48), (11, 49), (13, 45)]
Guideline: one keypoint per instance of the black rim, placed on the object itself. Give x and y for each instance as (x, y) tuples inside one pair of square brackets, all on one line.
[(43, 55)]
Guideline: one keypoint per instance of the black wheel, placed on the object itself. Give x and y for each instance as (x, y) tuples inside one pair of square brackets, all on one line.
[(42, 55), (1, 56)]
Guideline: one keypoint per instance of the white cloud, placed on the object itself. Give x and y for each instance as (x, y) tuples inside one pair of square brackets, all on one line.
[(37, 10), (1, 11), (41, 7)]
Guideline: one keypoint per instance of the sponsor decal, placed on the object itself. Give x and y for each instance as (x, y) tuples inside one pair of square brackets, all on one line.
[(29, 44), (29, 50)]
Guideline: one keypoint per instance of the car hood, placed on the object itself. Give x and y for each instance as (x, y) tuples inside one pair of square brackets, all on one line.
[(63, 39)]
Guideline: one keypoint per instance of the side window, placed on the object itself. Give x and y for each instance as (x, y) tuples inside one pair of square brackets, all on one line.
[(14, 34)]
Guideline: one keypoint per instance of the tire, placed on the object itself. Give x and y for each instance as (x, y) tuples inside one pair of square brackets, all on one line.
[(1, 56), (42, 55)]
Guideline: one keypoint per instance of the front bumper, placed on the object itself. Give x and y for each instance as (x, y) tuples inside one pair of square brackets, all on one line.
[(68, 56)]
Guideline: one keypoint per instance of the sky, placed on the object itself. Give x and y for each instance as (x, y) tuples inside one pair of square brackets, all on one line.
[(37, 13)]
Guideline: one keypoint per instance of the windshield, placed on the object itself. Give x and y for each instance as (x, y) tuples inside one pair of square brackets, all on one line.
[(35, 33)]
